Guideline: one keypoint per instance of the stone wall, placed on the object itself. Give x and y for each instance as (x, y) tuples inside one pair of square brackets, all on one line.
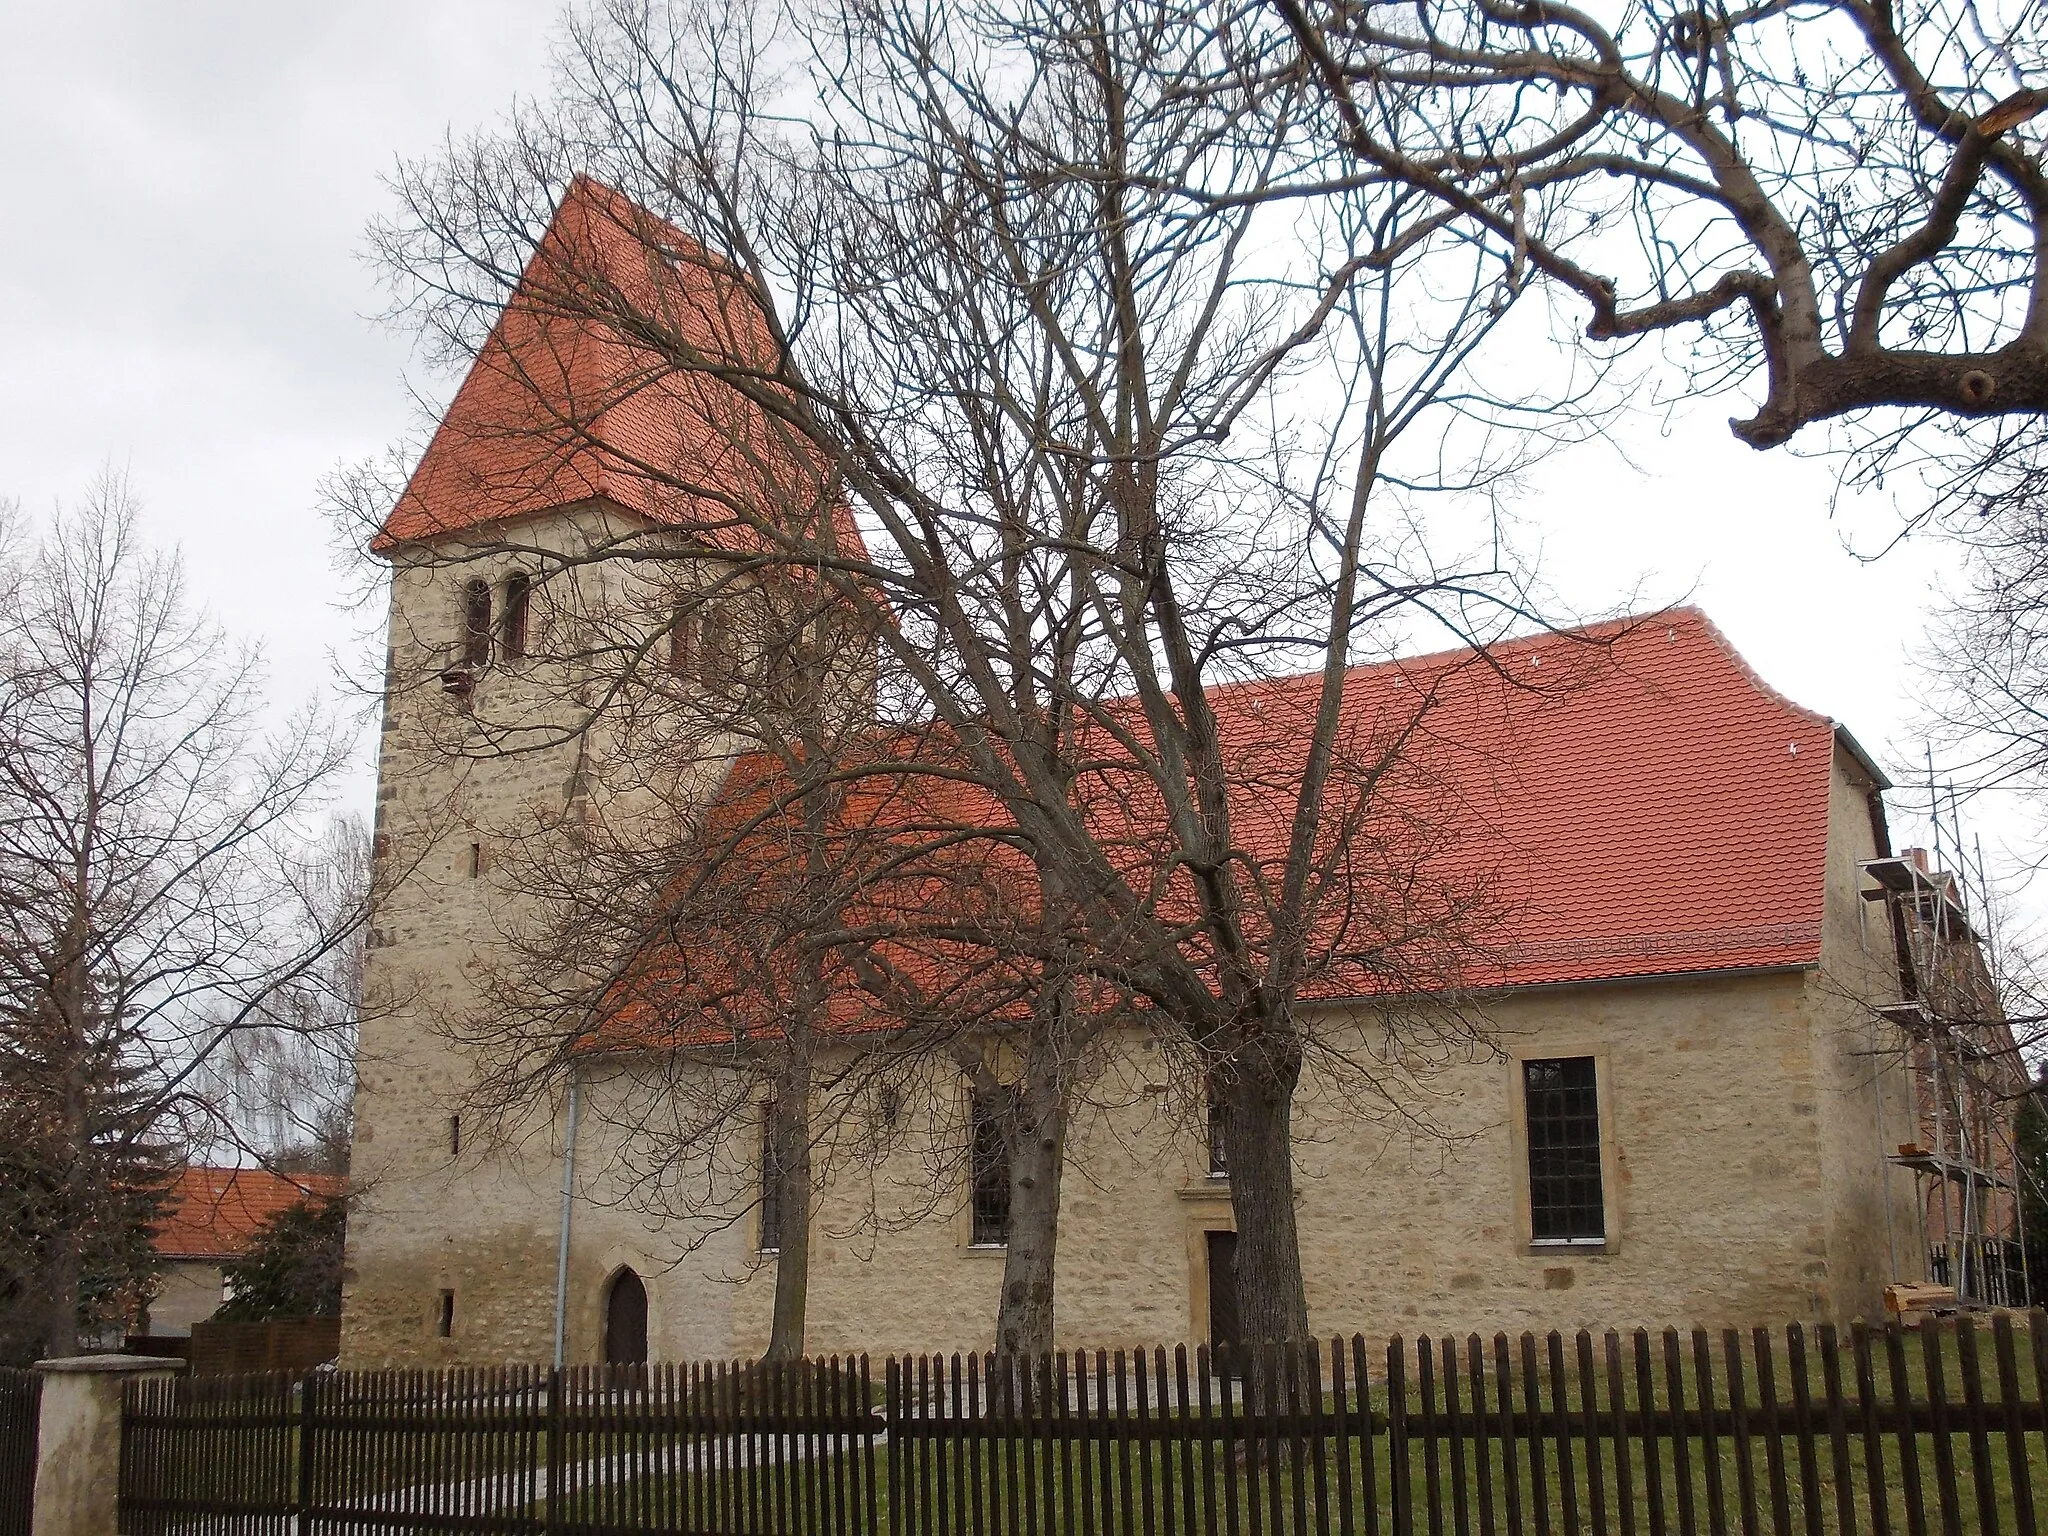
[(463, 785), (188, 1291), (1719, 1124)]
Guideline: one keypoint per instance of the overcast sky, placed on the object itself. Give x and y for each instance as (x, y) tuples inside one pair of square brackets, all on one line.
[(185, 297)]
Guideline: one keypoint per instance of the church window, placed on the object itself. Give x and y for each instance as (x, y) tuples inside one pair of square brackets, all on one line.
[(715, 649), (1563, 1106), (1219, 1163), (476, 622), (990, 1170), (444, 1323), (518, 590), (455, 1135), (770, 1240), (681, 630)]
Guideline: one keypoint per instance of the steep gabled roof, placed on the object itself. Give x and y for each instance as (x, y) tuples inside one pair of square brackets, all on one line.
[(212, 1213), (1629, 800), (563, 406)]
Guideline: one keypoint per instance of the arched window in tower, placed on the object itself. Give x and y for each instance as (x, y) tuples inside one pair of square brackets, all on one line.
[(476, 622), (682, 628), (518, 588), (625, 1320)]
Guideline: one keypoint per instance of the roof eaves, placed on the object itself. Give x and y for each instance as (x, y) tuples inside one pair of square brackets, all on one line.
[(1847, 741), (1627, 979)]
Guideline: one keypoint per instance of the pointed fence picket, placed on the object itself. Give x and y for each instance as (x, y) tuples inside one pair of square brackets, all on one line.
[(1795, 1432)]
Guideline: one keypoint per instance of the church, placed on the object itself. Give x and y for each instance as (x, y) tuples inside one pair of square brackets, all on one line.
[(1696, 1098)]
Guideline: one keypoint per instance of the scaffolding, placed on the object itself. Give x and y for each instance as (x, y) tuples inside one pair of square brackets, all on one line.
[(1963, 1066)]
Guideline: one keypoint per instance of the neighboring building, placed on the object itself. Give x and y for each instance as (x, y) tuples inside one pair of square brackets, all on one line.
[(209, 1219), (1686, 1107)]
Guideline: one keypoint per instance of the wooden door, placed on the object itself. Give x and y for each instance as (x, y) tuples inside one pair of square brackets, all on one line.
[(1225, 1331), (625, 1321)]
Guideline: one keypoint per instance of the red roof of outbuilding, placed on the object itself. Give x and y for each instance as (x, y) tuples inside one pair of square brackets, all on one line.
[(212, 1213), (562, 406)]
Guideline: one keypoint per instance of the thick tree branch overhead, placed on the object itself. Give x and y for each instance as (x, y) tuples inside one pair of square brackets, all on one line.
[(1844, 198)]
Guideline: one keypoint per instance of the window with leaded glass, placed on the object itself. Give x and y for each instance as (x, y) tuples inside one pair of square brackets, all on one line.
[(991, 1169), (1566, 1203), (771, 1184)]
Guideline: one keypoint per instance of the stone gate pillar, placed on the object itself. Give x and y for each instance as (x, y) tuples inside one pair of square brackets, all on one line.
[(78, 1441)]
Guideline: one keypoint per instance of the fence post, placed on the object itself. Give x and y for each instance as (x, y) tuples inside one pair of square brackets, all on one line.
[(78, 1441), (551, 1514), (307, 1385)]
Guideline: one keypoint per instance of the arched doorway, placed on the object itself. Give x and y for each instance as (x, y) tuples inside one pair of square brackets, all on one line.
[(625, 1320)]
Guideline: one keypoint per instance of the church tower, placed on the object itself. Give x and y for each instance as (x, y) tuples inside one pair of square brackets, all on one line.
[(576, 534)]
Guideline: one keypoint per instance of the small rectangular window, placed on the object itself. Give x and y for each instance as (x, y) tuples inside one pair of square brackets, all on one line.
[(473, 861), (1566, 1203), (771, 1184), (518, 589), (991, 1168), (444, 1324), (1219, 1164), (455, 1135)]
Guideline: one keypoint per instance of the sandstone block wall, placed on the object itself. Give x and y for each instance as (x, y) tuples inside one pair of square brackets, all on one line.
[(459, 786)]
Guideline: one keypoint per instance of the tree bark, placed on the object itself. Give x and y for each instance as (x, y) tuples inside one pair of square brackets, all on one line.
[(60, 1337), (1256, 1098), (1036, 1138), (790, 1132)]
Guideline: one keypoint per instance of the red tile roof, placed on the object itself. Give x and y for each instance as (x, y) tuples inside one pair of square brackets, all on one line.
[(1635, 806), (561, 407), (1665, 812), (212, 1213)]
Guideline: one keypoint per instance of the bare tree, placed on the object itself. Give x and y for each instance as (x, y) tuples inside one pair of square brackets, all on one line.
[(1124, 414), (158, 898), (283, 1093)]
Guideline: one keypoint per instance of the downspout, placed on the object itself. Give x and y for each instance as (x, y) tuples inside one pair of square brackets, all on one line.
[(568, 1194)]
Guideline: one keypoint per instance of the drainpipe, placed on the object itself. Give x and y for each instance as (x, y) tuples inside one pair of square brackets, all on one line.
[(568, 1193)]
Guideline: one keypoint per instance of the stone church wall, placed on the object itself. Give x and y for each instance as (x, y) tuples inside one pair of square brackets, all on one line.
[(1743, 1172)]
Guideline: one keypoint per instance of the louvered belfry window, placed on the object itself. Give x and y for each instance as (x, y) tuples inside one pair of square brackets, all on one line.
[(1565, 1197)]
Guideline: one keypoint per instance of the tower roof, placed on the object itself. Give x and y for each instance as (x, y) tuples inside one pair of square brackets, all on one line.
[(628, 366)]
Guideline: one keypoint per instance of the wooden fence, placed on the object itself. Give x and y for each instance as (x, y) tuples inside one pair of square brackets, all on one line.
[(294, 1344), (21, 1394), (1796, 1432)]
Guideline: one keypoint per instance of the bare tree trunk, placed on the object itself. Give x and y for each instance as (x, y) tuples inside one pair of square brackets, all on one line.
[(1037, 1145), (60, 1337), (68, 1004), (790, 1132), (1256, 1094)]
